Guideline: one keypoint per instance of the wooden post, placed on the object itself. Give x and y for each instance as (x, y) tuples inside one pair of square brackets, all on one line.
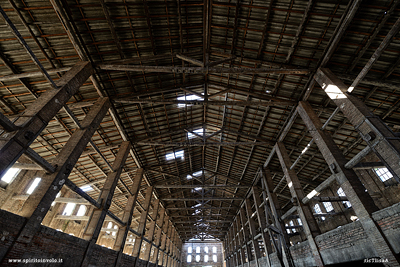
[(310, 226), (142, 223), (38, 114), (39, 202), (122, 233), (362, 203)]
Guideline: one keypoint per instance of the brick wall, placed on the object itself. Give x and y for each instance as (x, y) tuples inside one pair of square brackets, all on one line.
[(49, 243), (389, 221), (348, 242)]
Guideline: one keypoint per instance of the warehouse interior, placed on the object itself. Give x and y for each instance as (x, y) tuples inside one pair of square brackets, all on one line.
[(206, 133)]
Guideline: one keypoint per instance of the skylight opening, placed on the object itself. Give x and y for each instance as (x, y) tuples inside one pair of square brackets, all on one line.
[(10, 175), (199, 173), (196, 212), (197, 131), (86, 188), (33, 185), (305, 149), (176, 155), (188, 98), (198, 189)]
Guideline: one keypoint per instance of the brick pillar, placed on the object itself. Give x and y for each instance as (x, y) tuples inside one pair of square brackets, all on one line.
[(362, 203), (310, 226), (371, 128)]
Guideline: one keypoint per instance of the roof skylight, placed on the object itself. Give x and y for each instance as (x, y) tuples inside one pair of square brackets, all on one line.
[(188, 97), (197, 131), (176, 155)]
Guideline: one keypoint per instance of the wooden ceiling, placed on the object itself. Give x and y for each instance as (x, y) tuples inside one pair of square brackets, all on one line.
[(244, 65)]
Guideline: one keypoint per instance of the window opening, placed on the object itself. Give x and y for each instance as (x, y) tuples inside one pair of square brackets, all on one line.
[(33, 185), (341, 193)]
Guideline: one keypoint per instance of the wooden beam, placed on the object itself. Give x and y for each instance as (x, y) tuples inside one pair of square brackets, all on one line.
[(171, 69), (204, 103)]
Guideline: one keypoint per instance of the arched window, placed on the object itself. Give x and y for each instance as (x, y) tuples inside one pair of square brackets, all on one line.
[(214, 249), (115, 233), (206, 249), (189, 258), (190, 249), (214, 258), (197, 258), (197, 249), (109, 226), (205, 258)]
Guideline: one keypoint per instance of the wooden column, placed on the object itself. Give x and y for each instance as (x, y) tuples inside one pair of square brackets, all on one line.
[(371, 128), (159, 257), (310, 226), (150, 234), (263, 224), (361, 201), (232, 245), (246, 234), (167, 244), (157, 242), (122, 233), (97, 217), (39, 113), (253, 231), (157, 237), (235, 243), (142, 223), (240, 241), (282, 248), (39, 202)]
